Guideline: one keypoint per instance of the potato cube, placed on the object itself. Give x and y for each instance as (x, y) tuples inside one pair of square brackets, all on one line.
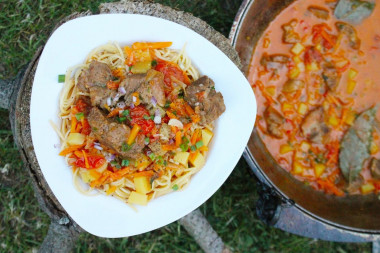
[(305, 146), (350, 118), (206, 136), (285, 148), (197, 161), (141, 67), (271, 90), (319, 169), (297, 49), (302, 108), (88, 175), (297, 168), (373, 148), (352, 73), (138, 198), (142, 162), (367, 188), (287, 107), (76, 139), (142, 185), (182, 158), (312, 66), (333, 120), (351, 86), (294, 73)]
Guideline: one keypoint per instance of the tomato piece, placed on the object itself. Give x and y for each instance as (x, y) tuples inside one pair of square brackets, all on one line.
[(312, 55), (112, 85), (82, 106), (86, 128), (171, 70), (165, 119), (94, 162), (137, 115)]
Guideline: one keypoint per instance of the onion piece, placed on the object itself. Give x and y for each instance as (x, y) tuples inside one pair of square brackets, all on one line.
[(98, 147), (122, 90), (132, 105), (110, 157), (176, 123), (153, 100), (157, 117), (109, 101)]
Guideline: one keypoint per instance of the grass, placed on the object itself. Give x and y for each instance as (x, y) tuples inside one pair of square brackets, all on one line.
[(24, 26)]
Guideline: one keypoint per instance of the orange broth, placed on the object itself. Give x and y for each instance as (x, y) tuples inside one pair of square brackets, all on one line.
[(339, 103)]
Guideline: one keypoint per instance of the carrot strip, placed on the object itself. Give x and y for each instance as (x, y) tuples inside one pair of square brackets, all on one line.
[(150, 45), (168, 147), (203, 148), (194, 137), (188, 109), (112, 85), (171, 115), (78, 153), (147, 173), (114, 112), (187, 127), (119, 174), (85, 159), (70, 149), (111, 190), (101, 180), (73, 124), (135, 130), (195, 118), (178, 138)]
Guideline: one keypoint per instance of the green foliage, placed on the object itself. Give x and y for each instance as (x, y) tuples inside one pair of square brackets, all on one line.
[(24, 26)]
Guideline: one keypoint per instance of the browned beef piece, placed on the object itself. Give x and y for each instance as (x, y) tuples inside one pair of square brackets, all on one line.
[(375, 168), (99, 95), (201, 94), (319, 12), (350, 32), (289, 35), (330, 75), (114, 135), (132, 82), (274, 61), (148, 85), (274, 121), (98, 74), (314, 127)]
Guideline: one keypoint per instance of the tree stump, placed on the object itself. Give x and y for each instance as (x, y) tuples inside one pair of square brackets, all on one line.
[(15, 95)]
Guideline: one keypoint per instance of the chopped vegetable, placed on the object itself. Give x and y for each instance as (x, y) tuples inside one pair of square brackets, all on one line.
[(142, 184), (135, 130), (138, 198), (75, 139), (61, 78)]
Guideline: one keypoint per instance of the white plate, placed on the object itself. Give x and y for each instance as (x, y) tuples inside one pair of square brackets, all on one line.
[(104, 215)]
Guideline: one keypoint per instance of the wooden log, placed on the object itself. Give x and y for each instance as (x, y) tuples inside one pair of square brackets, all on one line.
[(16, 95)]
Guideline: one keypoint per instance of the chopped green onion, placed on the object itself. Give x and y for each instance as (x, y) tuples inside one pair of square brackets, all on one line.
[(199, 144), (165, 163), (167, 104), (124, 163), (79, 115), (147, 117), (146, 140), (121, 119), (181, 94), (115, 164), (94, 129), (125, 147), (154, 63), (152, 156), (213, 87), (193, 148), (185, 140), (125, 113), (175, 187), (160, 160), (184, 147), (61, 78)]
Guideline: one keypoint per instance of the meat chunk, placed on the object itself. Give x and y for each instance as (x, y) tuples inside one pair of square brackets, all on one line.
[(201, 94), (98, 74), (114, 135), (319, 12), (274, 121), (289, 36), (156, 148), (330, 76), (293, 85), (274, 61), (153, 87), (350, 32), (374, 166), (99, 95), (132, 82), (313, 126)]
